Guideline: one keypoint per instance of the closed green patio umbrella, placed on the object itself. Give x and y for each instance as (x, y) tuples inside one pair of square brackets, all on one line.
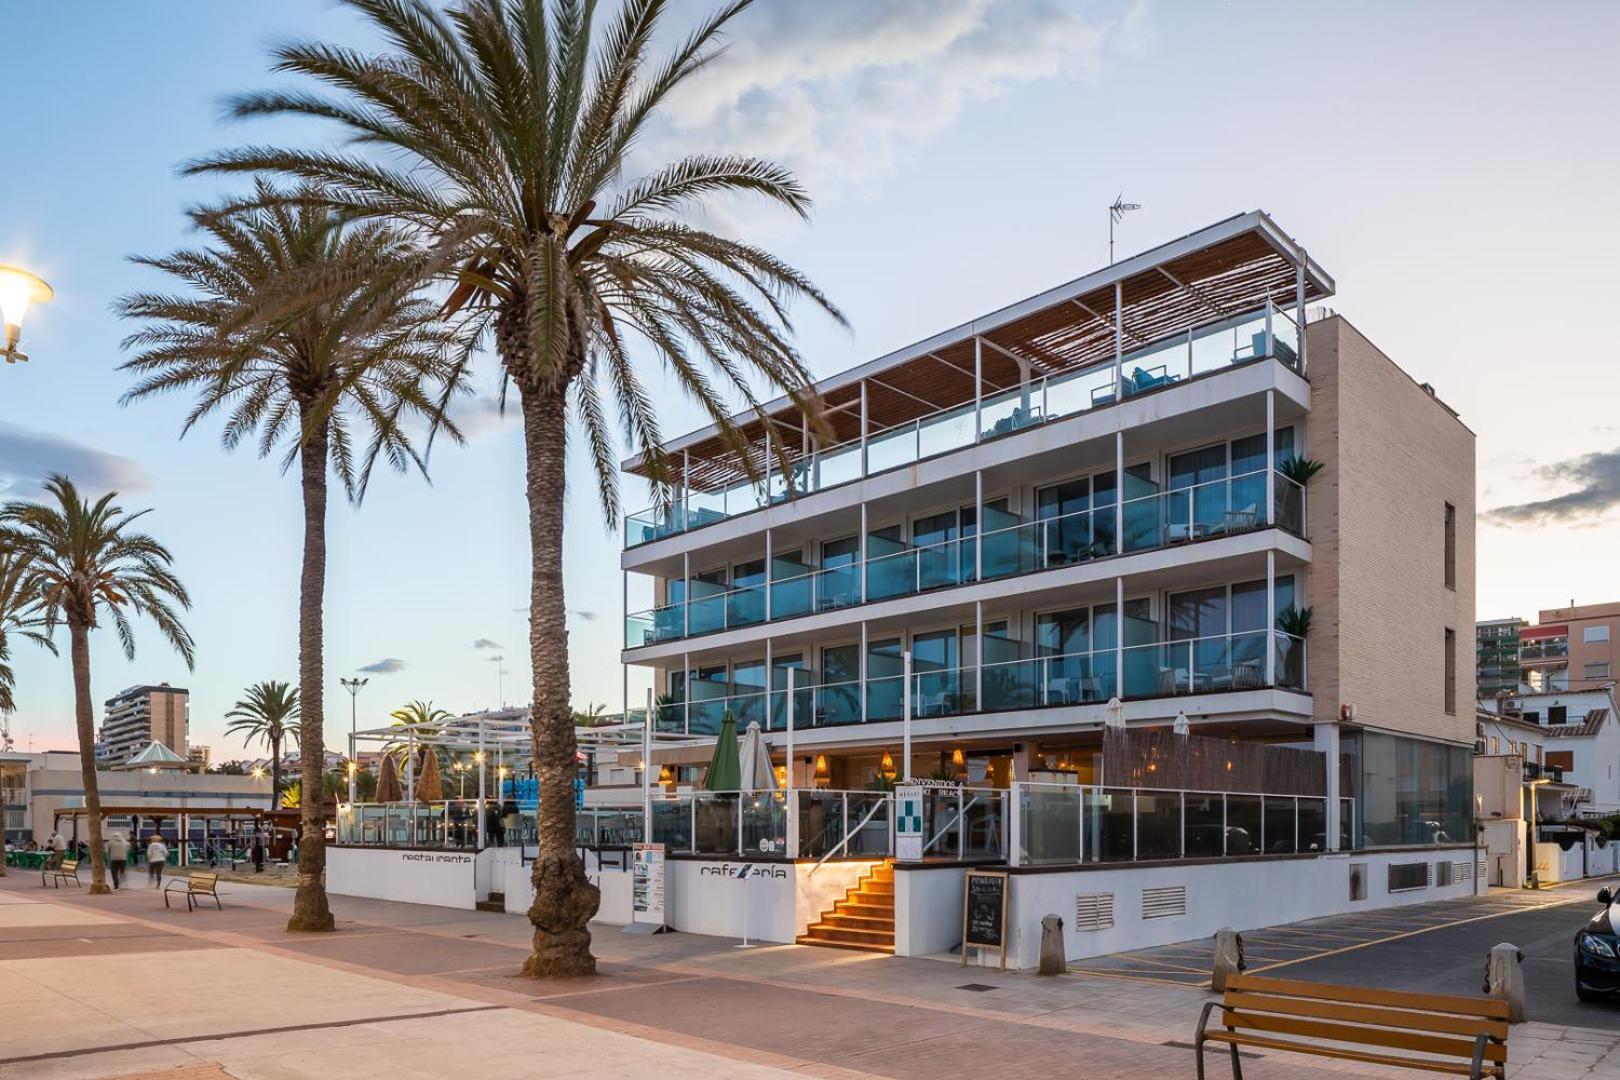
[(725, 772)]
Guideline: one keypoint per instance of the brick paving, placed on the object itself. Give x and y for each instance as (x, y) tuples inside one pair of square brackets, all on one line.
[(810, 1011)]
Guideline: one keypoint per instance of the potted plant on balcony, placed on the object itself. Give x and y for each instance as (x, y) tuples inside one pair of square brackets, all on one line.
[(1295, 623), (1291, 497)]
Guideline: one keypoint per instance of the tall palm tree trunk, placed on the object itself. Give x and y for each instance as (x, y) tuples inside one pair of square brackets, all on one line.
[(564, 898), (275, 773), (84, 716), (310, 909)]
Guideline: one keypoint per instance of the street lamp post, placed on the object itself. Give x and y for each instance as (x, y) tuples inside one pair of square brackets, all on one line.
[(353, 687), (18, 290)]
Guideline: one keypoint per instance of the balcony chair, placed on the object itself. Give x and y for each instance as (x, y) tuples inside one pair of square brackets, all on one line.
[(1143, 380), (1241, 520)]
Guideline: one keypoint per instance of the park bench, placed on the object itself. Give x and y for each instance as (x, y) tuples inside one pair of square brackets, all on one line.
[(1461, 1035), (66, 870), (201, 883)]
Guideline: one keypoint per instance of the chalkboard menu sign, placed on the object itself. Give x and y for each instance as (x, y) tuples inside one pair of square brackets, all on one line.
[(984, 913)]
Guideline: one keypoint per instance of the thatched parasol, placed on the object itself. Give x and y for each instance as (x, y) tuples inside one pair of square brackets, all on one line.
[(429, 785), (388, 781)]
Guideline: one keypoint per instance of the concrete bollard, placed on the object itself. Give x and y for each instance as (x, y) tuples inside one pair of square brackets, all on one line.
[(1504, 979), (1228, 957), (1053, 959)]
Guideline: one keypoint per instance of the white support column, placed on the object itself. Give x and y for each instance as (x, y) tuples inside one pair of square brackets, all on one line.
[(978, 389), (686, 594), (863, 552), (1299, 306), (1119, 637), (1271, 618), (770, 568), (686, 693), (905, 717), (1119, 342), (978, 655), (1119, 492), (770, 471), (686, 489), (1271, 457), (792, 795), (978, 525), (483, 768), (861, 667), (1327, 743), (646, 771), (863, 428)]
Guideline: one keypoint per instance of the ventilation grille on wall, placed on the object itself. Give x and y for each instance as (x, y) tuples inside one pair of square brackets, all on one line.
[(1164, 903), (1464, 871), (1094, 911)]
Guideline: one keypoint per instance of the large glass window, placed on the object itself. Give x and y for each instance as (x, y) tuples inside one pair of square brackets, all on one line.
[(837, 700), (1412, 791)]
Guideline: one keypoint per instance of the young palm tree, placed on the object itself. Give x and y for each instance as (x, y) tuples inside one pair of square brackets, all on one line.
[(349, 360), (422, 718), (500, 133), (265, 714), (22, 613), (92, 563)]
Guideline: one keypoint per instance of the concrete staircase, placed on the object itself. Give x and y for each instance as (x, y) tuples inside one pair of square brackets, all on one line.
[(863, 919)]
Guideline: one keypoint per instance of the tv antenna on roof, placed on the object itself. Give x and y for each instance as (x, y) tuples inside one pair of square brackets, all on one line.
[(1116, 214)]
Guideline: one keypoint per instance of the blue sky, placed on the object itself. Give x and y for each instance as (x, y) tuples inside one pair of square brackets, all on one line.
[(1449, 163)]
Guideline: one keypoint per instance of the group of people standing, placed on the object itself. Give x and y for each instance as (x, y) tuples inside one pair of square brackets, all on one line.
[(118, 850)]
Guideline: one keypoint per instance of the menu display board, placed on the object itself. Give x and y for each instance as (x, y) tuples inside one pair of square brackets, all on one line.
[(647, 884), (984, 913)]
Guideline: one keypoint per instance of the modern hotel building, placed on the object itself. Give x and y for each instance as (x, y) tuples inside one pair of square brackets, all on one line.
[(1080, 498)]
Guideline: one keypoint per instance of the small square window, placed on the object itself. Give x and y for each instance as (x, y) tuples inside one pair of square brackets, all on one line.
[(1594, 635), (1597, 670)]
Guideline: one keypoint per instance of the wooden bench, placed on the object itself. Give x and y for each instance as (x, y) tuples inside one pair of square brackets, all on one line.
[(1462, 1035), (201, 883), (66, 870)]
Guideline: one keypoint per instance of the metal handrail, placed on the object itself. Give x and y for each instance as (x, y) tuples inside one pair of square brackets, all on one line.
[(961, 814), (880, 804)]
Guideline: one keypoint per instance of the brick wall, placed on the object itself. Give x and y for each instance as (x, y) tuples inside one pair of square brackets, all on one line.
[(1395, 456)]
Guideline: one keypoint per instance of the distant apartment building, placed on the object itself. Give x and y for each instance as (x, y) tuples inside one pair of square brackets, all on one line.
[(201, 758), (1496, 657), (143, 715), (1571, 648)]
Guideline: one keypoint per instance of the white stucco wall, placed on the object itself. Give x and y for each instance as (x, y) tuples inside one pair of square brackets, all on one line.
[(613, 883), (442, 878), (927, 909)]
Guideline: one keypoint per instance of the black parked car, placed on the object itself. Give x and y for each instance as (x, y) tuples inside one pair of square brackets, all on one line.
[(1597, 952)]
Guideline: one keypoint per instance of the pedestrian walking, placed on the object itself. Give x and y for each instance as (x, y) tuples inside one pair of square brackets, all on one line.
[(496, 832), (157, 857), (258, 852), (117, 858)]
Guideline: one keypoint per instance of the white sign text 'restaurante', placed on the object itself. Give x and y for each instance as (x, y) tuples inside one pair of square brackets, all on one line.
[(416, 856)]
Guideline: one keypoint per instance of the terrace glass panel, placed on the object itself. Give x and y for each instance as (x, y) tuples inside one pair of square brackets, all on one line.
[(1205, 828), (837, 700), (1158, 825), (1280, 828), (1313, 825), (1245, 825), (1110, 825), (1050, 827)]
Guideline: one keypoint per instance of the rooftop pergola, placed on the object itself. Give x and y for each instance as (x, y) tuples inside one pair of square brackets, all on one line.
[(1213, 275)]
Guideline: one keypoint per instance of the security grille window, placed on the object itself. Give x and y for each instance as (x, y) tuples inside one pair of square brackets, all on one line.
[(1451, 546), (1403, 877)]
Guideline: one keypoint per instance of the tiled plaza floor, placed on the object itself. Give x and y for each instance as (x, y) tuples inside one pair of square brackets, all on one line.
[(118, 987)]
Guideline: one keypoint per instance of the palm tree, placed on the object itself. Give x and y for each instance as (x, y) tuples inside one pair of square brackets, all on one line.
[(91, 563), (420, 718), (590, 715), (264, 714), (500, 134), (350, 359), (22, 612)]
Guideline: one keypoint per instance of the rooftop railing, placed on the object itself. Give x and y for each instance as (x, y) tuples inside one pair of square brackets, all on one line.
[(1244, 339), (1164, 519)]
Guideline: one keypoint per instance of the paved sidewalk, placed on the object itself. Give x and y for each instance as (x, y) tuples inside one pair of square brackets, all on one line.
[(109, 987)]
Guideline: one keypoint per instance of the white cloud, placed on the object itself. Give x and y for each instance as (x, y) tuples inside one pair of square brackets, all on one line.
[(389, 666), (838, 89)]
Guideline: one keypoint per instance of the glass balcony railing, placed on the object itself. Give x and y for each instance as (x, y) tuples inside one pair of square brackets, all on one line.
[(1166, 519), (1249, 337), (1159, 669)]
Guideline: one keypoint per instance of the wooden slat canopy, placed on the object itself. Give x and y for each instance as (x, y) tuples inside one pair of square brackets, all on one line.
[(1209, 276)]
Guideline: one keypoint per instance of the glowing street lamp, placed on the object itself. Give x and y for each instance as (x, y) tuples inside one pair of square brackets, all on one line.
[(18, 289)]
